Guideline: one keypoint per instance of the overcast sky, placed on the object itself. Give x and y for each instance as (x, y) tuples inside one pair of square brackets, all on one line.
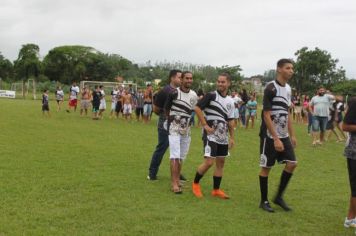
[(253, 33)]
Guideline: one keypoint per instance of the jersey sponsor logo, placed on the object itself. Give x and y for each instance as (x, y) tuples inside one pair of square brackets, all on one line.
[(192, 101), (228, 107)]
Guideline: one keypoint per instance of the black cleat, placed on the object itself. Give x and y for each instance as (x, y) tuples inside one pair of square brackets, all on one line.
[(280, 202), (266, 207), (182, 178)]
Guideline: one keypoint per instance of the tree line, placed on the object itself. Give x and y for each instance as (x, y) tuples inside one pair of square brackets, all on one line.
[(64, 64)]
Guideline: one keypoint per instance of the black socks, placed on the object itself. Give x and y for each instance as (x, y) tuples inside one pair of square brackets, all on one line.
[(264, 188), (217, 181), (197, 177), (285, 177)]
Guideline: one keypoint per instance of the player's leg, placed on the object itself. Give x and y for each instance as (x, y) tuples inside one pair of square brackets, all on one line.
[(267, 160), (217, 177), (287, 156), (158, 154)]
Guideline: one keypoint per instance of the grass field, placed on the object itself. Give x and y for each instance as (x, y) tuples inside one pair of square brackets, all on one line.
[(69, 175)]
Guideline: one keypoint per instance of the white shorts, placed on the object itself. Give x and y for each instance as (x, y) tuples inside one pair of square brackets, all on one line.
[(127, 109), (113, 106), (102, 105), (178, 146)]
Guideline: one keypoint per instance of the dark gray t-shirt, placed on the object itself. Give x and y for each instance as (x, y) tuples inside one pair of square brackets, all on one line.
[(350, 118)]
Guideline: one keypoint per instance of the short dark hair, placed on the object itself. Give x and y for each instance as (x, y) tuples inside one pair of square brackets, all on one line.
[(101, 86), (173, 73), (96, 86), (186, 72), (284, 61), (227, 75)]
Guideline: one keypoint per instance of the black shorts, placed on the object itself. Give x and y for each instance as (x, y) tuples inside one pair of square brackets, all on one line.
[(118, 107), (269, 155), (139, 111), (212, 149), (45, 107), (351, 167)]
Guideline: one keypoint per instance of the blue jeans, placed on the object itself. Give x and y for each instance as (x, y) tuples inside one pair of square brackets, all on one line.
[(242, 111), (319, 123), (192, 121), (161, 148), (310, 121)]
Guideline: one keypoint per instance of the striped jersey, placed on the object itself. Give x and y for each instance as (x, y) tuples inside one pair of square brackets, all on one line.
[(218, 111), (180, 106), (277, 100)]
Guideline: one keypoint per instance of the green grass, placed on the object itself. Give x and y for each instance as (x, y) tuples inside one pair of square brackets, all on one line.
[(69, 175)]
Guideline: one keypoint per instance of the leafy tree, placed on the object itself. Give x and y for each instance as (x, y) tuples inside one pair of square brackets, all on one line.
[(347, 87), (314, 68), (28, 63), (6, 68), (269, 76)]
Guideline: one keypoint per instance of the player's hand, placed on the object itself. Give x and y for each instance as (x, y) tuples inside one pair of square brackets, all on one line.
[(278, 145), (231, 143), (294, 141), (208, 129)]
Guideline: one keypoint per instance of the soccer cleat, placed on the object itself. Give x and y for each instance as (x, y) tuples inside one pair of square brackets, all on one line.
[(280, 202), (350, 223), (151, 178), (266, 207), (182, 178), (219, 193), (196, 190)]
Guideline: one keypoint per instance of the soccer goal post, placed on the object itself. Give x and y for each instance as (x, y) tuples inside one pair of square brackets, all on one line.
[(108, 86)]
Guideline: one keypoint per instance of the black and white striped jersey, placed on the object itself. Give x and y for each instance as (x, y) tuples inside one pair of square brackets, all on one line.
[(180, 106), (277, 100), (218, 111)]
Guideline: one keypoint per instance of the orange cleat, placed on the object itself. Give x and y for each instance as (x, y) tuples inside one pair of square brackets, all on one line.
[(219, 193), (196, 190)]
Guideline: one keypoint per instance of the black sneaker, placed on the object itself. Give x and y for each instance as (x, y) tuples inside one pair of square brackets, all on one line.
[(182, 178), (266, 207), (151, 177), (280, 202)]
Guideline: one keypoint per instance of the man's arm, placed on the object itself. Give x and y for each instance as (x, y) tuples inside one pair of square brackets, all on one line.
[(202, 120), (169, 102), (231, 124), (291, 132)]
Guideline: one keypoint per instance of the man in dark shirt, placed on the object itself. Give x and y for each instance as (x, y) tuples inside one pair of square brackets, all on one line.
[(96, 96), (45, 104), (277, 141), (158, 108), (349, 125)]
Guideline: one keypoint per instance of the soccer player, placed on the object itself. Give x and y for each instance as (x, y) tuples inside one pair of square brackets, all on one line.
[(118, 107), (113, 101), (237, 101), (45, 103), (158, 108), (349, 125), (178, 108), (59, 97), (139, 104), (73, 94), (277, 141), (96, 95), (102, 106), (218, 121), (147, 107), (127, 101), (85, 101)]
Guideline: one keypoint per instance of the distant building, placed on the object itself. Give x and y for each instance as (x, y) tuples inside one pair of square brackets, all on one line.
[(253, 84)]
